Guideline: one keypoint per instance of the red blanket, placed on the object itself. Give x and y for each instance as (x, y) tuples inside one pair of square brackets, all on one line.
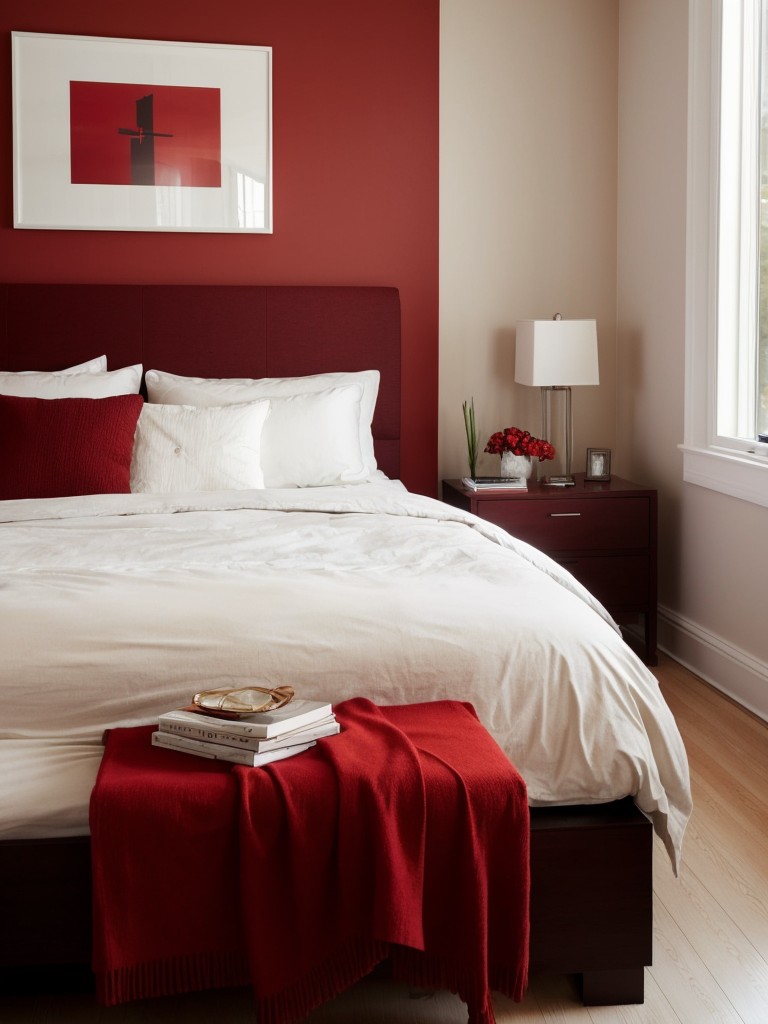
[(405, 836)]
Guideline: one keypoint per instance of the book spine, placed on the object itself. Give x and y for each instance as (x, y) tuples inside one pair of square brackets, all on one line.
[(254, 743), (167, 743), (215, 752), (189, 731), (257, 730), (211, 750), (200, 725)]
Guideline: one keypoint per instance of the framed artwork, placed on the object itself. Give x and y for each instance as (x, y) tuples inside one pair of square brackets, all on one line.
[(141, 135), (598, 464)]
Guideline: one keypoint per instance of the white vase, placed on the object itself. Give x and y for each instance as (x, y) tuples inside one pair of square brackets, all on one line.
[(516, 465)]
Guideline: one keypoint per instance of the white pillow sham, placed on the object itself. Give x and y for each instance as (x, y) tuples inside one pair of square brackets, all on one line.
[(108, 384), (179, 448), (314, 440), (97, 365), (174, 389)]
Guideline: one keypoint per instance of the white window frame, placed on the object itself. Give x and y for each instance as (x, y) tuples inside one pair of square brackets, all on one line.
[(721, 254)]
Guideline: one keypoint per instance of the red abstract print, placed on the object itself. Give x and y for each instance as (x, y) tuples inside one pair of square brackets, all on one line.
[(126, 134)]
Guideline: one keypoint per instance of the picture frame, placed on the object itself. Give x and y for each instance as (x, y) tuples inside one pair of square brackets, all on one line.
[(598, 464), (117, 134)]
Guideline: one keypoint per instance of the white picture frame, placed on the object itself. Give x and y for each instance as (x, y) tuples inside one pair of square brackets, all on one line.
[(53, 127)]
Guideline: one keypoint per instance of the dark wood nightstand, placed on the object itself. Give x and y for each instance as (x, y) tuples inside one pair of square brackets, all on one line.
[(603, 532)]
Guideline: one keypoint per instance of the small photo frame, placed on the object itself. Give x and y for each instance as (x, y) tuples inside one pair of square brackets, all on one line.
[(598, 464)]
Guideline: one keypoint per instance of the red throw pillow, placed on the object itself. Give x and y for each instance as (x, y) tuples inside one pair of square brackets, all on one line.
[(51, 448)]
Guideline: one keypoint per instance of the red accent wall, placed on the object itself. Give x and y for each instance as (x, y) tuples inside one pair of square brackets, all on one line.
[(355, 163)]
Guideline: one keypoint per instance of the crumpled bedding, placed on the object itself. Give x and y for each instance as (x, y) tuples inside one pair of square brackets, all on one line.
[(115, 608)]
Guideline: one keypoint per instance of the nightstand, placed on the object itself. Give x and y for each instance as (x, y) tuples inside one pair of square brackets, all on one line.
[(604, 533)]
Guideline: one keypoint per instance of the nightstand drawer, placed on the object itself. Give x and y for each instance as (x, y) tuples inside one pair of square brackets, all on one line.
[(570, 524), (620, 582)]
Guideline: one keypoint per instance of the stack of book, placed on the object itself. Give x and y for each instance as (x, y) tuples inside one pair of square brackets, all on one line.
[(249, 739), (495, 483)]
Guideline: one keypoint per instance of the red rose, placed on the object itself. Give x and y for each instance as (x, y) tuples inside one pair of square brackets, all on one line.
[(519, 442)]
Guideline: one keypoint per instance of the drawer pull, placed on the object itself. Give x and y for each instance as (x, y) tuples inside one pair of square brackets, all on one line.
[(564, 515)]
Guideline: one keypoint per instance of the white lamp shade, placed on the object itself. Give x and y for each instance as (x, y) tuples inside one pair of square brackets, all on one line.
[(556, 353)]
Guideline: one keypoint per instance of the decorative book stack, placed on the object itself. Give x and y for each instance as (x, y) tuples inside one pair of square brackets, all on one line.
[(495, 483), (248, 739)]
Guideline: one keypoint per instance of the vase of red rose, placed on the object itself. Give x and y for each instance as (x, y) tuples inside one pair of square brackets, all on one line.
[(518, 448), (516, 465)]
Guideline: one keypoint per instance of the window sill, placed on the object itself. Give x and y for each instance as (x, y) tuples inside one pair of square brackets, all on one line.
[(739, 476)]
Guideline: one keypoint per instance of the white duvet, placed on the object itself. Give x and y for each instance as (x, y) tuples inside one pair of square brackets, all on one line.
[(114, 608)]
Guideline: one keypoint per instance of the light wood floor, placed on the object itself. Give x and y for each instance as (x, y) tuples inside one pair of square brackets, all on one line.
[(710, 960)]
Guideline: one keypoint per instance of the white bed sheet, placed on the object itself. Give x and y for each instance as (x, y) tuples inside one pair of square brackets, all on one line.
[(114, 608)]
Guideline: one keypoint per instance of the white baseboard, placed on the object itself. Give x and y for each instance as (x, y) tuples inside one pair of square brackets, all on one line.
[(729, 669)]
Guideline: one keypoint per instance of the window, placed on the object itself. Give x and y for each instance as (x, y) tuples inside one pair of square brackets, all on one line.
[(762, 354), (727, 259)]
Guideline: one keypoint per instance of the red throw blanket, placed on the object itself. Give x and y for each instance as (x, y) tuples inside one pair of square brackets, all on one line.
[(406, 836)]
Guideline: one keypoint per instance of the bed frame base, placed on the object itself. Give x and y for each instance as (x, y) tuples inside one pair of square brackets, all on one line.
[(592, 898), (591, 904), (607, 988)]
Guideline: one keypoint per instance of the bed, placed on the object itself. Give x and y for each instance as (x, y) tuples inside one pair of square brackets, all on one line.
[(324, 571)]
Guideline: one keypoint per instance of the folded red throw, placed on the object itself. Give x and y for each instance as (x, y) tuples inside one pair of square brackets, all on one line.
[(404, 837)]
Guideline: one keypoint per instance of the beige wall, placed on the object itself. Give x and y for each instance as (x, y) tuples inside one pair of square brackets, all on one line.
[(528, 205), (653, 72), (563, 187), (713, 560)]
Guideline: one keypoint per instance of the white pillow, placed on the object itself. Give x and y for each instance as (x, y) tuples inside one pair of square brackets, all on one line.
[(175, 390), (314, 440), (97, 365), (72, 385), (181, 448)]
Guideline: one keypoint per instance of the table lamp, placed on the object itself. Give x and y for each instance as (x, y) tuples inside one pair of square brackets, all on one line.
[(556, 355)]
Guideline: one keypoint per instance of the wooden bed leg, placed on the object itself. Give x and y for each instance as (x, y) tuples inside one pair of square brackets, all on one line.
[(609, 988)]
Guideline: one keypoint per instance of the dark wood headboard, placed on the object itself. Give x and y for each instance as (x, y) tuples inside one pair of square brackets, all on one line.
[(213, 331)]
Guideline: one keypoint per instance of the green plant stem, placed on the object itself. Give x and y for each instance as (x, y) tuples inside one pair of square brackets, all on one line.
[(471, 432)]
